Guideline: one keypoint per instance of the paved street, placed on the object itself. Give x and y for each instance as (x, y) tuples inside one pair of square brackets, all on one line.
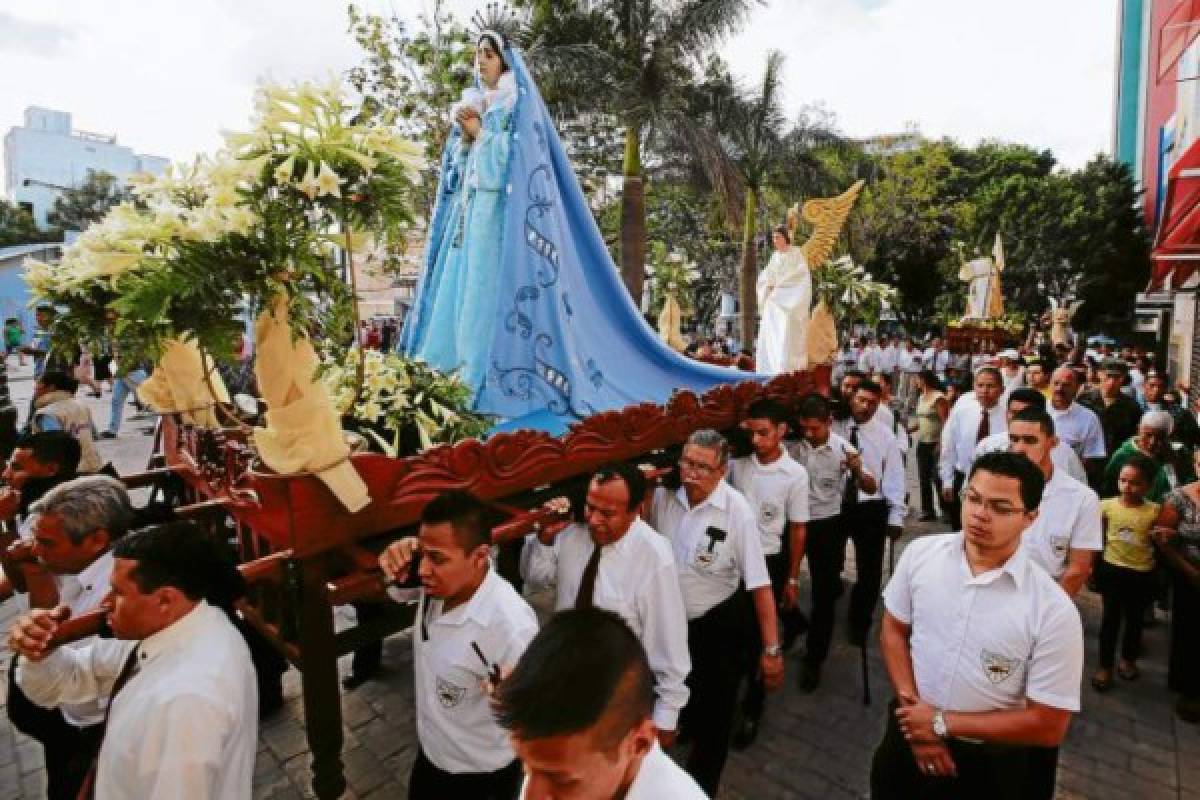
[(1124, 744)]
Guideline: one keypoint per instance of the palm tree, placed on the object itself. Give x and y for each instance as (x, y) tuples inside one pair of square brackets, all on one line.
[(758, 149), (632, 59)]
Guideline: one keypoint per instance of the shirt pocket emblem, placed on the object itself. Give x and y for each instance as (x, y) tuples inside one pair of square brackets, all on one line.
[(1058, 544), (998, 668), (768, 513), (449, 694)]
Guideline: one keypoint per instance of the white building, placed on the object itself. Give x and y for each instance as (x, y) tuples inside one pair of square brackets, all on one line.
[(46, 154)]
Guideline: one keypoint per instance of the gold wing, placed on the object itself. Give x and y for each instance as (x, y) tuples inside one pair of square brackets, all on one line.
[(827, 216)]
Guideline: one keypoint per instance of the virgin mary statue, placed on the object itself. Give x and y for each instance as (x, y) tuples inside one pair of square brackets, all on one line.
[(519, 293), (784, 302)]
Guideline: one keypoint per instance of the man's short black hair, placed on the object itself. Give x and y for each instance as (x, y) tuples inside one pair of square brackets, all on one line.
[(993, 371), (57, 379), (183, 556), (768, 409), (633, 477), (1017, 466), (1028, 397), (1039, 416), (854, 373), (868, 385), (465, 513), (584, 667), (815, 406), (54, 447)]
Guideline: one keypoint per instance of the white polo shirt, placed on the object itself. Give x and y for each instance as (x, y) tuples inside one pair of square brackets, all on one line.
[(1080, 428), (985, 642), (1068, 519), (777, 494), (1062, 456), (710, 567), (455, 726), (826, 474), (636, 580)]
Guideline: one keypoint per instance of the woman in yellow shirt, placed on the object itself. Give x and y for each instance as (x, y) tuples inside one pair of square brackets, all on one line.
[(1125, 574)]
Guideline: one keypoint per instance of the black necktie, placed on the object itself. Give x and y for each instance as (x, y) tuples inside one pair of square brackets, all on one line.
[(984, 426), (587, 584), (88, 789), (850, 493)]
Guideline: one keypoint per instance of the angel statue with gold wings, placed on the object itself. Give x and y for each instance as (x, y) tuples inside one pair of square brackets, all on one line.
[(785, 287)]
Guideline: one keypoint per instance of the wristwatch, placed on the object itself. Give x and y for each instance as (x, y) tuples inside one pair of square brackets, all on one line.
[(939, 724), (772, 651)]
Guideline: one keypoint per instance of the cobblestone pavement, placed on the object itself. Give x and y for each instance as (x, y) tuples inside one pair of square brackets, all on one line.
[(1125, 744)]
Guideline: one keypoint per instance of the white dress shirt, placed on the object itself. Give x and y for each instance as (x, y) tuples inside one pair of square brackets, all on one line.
[(777, 494), (985, 642), (1068, 519), (889, 358), (1062, 456), (658, 778), (635, 579), (911, 361), (869, 361), (826, 474), (1080, 428), (958, 435), (455, 726), (710, 567), (882, 458), (185, 726), (937, 361)]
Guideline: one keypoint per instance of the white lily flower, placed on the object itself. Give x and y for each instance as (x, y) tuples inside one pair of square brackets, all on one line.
[(328, 181), (283, 173), (308, 184)]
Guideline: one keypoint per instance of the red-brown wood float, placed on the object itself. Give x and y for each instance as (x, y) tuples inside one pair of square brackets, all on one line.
[(326, 564)]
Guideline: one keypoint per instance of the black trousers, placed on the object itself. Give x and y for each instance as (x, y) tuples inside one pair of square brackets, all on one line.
[(953, 509), (1183, 663), (1126, 594), (428, 782), (794, 623), (927, 457), (68, 750), (1041, 773), (717, 644), (985, 771), (865, 524)]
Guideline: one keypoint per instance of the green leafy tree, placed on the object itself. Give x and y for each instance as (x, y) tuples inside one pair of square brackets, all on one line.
[(17, 226), (632, 59), (417, 75), (76, 208)]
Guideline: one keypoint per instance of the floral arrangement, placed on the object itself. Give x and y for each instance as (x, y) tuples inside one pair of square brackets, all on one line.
[(1011, 323), (207, 244), (849, 291), (674, 275), (404, 405)]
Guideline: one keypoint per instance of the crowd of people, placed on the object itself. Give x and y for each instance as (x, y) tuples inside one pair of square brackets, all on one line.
[(678, 598)]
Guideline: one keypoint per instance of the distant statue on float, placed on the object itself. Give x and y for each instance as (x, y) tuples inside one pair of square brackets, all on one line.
[(788, 326), (985, 298)]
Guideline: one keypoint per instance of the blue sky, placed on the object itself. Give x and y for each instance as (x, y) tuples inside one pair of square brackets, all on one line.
[(167, 76)]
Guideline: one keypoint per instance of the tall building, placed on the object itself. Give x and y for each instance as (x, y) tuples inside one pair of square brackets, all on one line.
[(1156, 126), (46, 154)]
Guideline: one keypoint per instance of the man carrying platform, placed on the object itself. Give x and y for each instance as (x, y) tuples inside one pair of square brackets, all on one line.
[(471, 627)]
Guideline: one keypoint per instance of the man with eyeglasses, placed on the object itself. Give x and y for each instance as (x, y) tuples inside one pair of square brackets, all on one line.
[(616, 562), (715, 540), (983, 649), (1063, 541)]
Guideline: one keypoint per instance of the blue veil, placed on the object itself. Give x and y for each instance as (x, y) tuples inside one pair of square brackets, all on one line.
[(567, 340)]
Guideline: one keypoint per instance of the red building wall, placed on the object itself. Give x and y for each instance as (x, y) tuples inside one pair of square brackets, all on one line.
[(1160, 105)]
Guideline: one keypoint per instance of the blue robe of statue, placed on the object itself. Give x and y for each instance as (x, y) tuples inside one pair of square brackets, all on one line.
[(519, 291)]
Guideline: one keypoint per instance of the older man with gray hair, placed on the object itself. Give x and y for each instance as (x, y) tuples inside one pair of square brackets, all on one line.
[(715, 541), (1153, 440), (75, 525)]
